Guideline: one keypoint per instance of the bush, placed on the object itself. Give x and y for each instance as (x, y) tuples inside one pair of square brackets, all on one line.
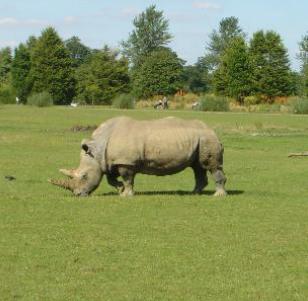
[(300, 106), (214, 103), (6, 95), (42, 99), (251, 100), (124, 101)]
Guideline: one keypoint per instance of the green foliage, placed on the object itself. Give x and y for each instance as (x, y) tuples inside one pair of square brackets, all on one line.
[(160, 74), (220, 40), (233, 76), (149, 34), (214, 103), (52, 69), (5, 63), (196, 78), (6, 94), (42, 99), (102, 77), (21, 66), (271, 67), (124, 101), (300, 106), (79, 53)]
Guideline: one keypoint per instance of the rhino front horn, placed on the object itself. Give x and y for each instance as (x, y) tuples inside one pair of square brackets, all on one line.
[(62, 183)]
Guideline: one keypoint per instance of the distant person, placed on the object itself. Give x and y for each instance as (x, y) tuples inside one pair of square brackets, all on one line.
[(17, 100)]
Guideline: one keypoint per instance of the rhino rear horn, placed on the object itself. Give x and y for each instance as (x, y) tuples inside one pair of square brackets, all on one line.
[(68, 172)]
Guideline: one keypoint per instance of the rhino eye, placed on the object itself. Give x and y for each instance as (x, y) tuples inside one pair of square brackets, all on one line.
[(84, 176)]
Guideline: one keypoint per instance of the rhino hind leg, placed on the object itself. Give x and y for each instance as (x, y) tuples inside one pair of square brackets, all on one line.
[(200, 178), (220, 180), (128, 175)]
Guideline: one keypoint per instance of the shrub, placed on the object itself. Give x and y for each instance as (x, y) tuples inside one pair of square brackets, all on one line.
[(124, 101), (6, 95), (251, 100), (214, 103), (300, 106), (42, 99)]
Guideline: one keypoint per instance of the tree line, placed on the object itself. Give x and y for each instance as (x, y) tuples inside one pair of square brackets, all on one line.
[(144, 65)]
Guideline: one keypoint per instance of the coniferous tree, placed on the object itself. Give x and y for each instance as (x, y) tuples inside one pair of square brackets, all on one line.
[(271, 67), (51, 69), (21, 67), (5, 64), (78, 51)]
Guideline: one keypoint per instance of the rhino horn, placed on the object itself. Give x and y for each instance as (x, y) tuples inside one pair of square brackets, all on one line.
[(68, 172), (62, 183)]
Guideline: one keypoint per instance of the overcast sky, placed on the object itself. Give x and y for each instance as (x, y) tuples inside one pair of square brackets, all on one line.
[(99, 22)]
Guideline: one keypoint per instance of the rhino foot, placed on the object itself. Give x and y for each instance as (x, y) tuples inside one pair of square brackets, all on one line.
[(220, 193), (126, 193)]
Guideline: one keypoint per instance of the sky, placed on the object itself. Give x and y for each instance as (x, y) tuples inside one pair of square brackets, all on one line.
[(100, 22)]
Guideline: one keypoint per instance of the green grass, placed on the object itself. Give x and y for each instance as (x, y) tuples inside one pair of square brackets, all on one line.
[(251, 245)]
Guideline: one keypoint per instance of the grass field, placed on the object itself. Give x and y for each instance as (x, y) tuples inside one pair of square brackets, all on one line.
[(164, 243)]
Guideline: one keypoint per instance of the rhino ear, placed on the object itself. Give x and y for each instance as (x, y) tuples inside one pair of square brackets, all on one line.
[(87, 147)]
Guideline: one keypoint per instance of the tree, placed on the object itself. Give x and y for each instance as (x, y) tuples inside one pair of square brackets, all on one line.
[(5, 64), (303, 57), (21, 67), (271, 67), (234, 75), (52, 69), (220, 40), (160, 74), (196, 77), (102, 77), (150, 33), (78, 51)]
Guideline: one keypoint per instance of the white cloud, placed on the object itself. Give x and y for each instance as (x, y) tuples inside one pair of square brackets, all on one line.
[(11, 44), (8, 21), (130, 12), (70, 19), (206, 5), (15, 22)]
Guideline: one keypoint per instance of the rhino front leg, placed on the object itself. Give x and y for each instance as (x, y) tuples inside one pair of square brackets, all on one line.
[(220, 180), (128, 175), (113, 181), (200, 178)]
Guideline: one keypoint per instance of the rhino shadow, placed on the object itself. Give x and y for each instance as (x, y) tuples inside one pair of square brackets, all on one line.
[(176, 192)]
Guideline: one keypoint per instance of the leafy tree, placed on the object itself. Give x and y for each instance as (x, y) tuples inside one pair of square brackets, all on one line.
[(103, 77), (271, 67), (5, 64), (52, 69), (150, 33), (160, 73), (303, 57), (233, 76), (78, 51), (21, 67), (196, 77), (220, 40)]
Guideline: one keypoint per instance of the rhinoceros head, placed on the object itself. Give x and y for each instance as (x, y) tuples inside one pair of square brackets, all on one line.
[(84, 179)]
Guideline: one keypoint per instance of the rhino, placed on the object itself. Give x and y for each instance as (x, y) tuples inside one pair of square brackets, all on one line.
[(123, 147)]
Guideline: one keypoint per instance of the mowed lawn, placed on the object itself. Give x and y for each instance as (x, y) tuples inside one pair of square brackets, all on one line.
[(164, 243)]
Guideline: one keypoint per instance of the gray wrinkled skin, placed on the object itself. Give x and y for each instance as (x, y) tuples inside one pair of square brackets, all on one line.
[(123, 147)]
